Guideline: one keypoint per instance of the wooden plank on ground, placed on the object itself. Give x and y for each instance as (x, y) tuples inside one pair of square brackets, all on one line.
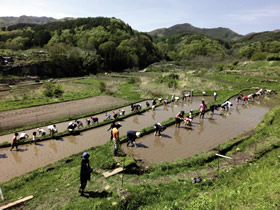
[(9, 205), (115, 171)]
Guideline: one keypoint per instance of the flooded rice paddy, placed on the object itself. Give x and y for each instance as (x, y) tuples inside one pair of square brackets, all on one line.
[(174, 143)]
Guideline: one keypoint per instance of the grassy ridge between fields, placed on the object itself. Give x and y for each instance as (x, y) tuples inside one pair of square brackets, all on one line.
[(56, 185)]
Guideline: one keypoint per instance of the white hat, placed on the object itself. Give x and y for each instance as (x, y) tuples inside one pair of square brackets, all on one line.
[(138, 134)]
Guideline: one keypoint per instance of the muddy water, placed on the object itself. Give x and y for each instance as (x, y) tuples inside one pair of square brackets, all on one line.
[(60, 126), (30, 157), (203, 135)]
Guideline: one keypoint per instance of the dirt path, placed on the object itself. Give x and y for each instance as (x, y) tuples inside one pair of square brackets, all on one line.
[(20, 117)]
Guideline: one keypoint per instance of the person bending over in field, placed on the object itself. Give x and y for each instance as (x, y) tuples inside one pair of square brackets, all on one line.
[(158, 128), (131, 136), (52, 129), (23, 135), (41, 131), (72, 126), (226, 105), (79, 123), (94, 119), (178, 118)]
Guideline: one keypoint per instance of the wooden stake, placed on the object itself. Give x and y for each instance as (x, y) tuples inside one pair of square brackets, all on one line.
[(9, 205)]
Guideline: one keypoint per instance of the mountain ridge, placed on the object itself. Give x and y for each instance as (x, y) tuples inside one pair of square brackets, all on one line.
[(218, 33), (6, 21)]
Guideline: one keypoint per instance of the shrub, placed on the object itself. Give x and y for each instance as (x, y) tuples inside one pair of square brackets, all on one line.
[(259, 56), (51, 90), (102, 86), (133, 80)]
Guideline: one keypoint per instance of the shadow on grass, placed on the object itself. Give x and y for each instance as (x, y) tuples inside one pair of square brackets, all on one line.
[(91, 194)]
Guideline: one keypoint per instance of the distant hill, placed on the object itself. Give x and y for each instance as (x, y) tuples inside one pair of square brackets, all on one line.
[(217, 33), (8, 21)]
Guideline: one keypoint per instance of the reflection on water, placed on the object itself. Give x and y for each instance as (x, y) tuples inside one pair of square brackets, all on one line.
[(200, 126), (153, 114), (157, 142), (52, 145), (72, 139), (35, 148), (135, 119), (16, 156), (177, 136)]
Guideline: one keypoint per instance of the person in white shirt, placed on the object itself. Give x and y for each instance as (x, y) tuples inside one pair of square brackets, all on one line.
[(41, 131), (23, 135), (52, 129)]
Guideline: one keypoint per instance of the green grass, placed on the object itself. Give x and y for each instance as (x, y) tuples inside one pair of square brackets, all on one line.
[(253, 185)]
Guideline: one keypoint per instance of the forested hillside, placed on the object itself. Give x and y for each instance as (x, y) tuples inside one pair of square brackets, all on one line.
[(77, 47), (194, 46)]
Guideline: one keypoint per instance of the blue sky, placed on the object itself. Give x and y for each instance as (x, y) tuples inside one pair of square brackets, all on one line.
[(242, 16)]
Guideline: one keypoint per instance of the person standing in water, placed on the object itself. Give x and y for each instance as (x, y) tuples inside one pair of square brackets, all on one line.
[(14, 142), (178, 118), (203, 108)]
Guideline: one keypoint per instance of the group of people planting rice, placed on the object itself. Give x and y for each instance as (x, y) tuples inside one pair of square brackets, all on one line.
[(158, 128), (132, 135)]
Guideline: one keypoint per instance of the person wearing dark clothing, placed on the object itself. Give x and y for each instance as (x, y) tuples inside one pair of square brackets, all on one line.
[(85, 172), (79, 123), (131, 136), (213, 107), (239, 98), (135, 107), (154, 102), (94, 119), (15, 142), (71, 127), (147, 104), (113, 125), (179, 117), (158, 128)]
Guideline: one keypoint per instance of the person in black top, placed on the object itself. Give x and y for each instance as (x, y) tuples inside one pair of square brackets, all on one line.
[(147, 104), (85, 172), (158, 128), (131, 136), (213, 107)]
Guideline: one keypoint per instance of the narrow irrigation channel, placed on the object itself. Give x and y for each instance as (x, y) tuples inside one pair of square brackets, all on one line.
[(30, 157)]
